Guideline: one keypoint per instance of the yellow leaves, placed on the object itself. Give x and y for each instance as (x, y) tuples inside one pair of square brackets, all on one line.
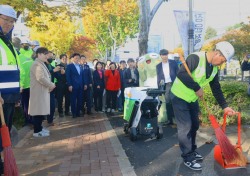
[(110, 22), (56, 33)]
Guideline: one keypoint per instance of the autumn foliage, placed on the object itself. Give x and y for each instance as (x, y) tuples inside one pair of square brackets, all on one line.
[(239, 38), (83, 45)]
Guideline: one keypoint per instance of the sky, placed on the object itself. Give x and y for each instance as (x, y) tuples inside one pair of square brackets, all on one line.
[(219, 15)]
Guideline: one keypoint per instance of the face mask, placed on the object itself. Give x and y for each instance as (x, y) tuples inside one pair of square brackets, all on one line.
[(50, 60), (26, 47)]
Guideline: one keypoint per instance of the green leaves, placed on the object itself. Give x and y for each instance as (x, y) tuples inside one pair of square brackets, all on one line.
[(110, 22), (236, 96)]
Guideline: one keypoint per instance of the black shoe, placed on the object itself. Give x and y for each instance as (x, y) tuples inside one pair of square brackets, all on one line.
[(61, 115), (193, 165), (197, 156), (89, 113), (73, 116)]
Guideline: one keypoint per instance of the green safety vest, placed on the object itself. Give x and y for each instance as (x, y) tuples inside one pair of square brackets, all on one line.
[(9, 71), (25, 64), (199, 75), (27, 53)]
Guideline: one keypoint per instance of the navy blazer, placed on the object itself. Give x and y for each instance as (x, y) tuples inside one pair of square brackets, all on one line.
[(173, 69), (122, 78), (74, 79), (87, 74), (97, 81), (127, 76)]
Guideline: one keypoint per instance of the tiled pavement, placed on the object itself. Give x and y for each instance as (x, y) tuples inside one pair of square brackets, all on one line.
[(85, 146)]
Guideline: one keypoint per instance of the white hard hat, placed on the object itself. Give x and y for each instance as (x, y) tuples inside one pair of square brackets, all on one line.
[(35, 43), (226, 49), (8, 11), (34, 49), (24, 40)]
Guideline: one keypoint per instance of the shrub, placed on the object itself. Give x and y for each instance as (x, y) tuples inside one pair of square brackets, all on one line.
[(18, 117), (236, 96)]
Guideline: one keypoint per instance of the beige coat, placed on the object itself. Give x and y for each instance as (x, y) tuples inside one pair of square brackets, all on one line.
[(40, 84)]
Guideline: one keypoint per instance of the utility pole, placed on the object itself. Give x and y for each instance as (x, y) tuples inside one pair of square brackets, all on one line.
[(190, 29)]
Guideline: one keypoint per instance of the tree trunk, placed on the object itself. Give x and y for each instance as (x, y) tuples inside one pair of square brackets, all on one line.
[(144, 7), (144, 23)]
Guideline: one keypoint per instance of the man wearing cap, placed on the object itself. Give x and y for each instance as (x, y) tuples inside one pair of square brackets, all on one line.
[(25, 65), (34, 45), (9, 69), (186, 91), (166, 74)]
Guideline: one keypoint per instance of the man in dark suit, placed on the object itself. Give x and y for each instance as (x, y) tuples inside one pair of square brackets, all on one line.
[(75, 82), (62, 87), (166, 74), (87, 94), (131, 74)]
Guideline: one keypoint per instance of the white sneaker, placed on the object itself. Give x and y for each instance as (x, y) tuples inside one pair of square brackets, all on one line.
[(108, 110), (40, 134), (193, 165), (45, 130), (112, 110)]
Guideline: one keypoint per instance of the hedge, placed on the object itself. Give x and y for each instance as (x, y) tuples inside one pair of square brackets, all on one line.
[(235, 93)]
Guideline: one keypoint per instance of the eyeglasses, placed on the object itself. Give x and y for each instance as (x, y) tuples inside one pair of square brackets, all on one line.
[(8, 21)]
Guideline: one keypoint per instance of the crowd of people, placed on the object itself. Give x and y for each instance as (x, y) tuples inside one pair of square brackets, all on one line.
[(74, 89)]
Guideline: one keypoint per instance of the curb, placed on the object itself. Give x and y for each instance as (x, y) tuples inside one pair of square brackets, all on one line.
[(125, 165)]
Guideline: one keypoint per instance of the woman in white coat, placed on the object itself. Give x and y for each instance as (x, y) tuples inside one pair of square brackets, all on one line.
[(40, 88)]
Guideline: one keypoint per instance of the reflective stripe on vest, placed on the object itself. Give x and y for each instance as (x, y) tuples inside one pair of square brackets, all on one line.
[(9, 74), (199, 74)]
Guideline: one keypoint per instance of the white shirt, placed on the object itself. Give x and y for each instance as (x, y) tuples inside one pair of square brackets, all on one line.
[(165, 68), (77, 68)]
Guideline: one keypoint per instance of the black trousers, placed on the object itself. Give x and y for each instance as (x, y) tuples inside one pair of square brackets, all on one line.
[(98, 94), (87, 99), (187, 120), (25, 96), (37, 122), (169, 107), (111, 98), (52, 107), (62, 91)]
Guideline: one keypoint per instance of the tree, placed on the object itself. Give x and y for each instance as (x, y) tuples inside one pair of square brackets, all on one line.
[(238, 25), (239, 38), (210, 33), (84, 45), (53, 31), (146, 17), (110, 23)]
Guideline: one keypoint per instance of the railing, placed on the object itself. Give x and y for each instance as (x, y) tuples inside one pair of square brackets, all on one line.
[(236, 75)]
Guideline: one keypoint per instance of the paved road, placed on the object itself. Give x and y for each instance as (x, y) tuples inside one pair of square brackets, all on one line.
[(151, 157)]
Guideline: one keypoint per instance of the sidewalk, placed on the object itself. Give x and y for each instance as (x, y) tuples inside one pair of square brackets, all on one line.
[(88, 146), (85, 146)]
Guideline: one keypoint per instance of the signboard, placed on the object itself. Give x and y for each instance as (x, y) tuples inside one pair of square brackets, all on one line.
[(182, 19)]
